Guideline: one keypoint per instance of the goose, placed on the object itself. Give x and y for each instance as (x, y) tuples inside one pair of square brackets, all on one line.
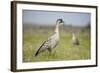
[(75, 40), (52, 41)]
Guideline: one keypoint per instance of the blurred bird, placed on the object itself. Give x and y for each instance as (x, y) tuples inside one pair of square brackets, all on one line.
[(52, 41), (75, 40)]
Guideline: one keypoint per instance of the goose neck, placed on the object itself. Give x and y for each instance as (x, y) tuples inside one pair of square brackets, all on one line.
[(57, 28)]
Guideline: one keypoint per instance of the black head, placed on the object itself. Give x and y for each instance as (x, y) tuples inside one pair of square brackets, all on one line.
[(60, 21)]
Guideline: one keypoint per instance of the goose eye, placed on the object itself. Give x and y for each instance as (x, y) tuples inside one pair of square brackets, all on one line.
[(60, 21)]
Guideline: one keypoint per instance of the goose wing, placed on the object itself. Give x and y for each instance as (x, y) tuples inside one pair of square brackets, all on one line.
[(48, 44)]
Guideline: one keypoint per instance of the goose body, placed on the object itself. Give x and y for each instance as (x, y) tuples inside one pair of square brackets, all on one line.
[(52, 41)]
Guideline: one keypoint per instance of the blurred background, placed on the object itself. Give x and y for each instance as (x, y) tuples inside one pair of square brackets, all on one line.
[(39, 25)]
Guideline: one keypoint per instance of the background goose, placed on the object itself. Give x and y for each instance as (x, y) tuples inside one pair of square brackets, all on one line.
[(75, 40), (52, 41)]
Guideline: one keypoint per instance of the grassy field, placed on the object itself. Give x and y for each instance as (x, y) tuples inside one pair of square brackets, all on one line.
[(33, 37)]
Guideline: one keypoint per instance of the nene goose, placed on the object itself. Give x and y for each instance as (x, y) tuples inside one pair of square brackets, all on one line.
[(52, 41), (75, 40)]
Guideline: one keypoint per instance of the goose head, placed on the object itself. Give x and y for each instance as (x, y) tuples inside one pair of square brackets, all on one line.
[(60, 21)]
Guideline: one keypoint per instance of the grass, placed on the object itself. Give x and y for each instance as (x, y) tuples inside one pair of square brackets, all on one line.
[(33, 38)]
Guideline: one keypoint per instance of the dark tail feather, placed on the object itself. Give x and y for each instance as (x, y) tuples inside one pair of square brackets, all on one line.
[(39, 49), (37, 53)]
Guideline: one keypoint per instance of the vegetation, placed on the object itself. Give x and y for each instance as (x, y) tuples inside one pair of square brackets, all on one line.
[(34, 36)]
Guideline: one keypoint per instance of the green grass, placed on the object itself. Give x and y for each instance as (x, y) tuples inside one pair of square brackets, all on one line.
[(33, 39)]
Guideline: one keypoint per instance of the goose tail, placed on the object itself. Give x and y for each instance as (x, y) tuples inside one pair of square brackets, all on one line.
[(36, 54)]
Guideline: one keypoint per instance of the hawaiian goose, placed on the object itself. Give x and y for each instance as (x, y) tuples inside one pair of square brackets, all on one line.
[(75, 40), (52, 41)]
